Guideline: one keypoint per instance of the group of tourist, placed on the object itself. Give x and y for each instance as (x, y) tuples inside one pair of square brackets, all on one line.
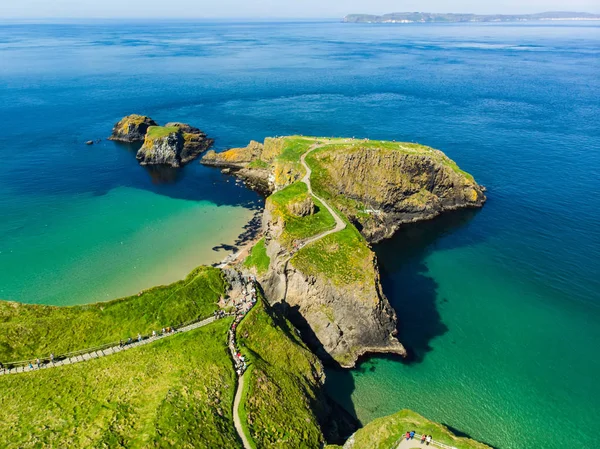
[(242, 307), (164, 331), (37, 363), (424, 438)]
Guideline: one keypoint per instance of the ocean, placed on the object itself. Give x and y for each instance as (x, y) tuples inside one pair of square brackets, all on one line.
[(499, 307)]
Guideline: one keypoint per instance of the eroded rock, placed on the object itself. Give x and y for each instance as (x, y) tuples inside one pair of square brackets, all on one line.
[(132, 128)]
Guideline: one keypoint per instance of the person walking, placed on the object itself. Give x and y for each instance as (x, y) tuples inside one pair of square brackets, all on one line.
[(407, 435), (52, 357), (423, 438), (412, 434), (38, 363), (139, 337), (428, 440)]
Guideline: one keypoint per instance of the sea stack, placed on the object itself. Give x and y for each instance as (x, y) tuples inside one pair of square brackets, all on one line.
[(174, 144), (132, 128)]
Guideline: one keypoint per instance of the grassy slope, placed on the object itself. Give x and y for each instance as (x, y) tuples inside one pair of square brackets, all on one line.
[(28, 331), (258, 257), (298, 228), (343, 256), (383, 432), (282, 396), (156, 132), (174, 392)]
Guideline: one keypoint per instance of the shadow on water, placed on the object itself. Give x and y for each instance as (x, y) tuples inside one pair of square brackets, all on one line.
[(411, 291), (405, 280), (107, 165)]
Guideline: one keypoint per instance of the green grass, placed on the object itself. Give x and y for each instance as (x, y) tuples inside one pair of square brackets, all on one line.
[(258, 258), (295, 147), (343, 257), (258, 163), (299, 228), (382, 433), (283, 397), (29, 331), (156, 132), (176, 392)]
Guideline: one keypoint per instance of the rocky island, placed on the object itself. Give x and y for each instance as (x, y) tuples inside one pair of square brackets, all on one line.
[(174, 144), (329, 199)]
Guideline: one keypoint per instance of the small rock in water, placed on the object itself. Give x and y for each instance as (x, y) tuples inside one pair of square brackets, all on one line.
[(226, 171), (90, 142)]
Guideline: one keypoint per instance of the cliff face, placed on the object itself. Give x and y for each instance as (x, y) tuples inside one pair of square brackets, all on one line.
[(341, 318), (328, 282), (161, 148), (174, 145), (389, 188), (132, 128), (195, 141)]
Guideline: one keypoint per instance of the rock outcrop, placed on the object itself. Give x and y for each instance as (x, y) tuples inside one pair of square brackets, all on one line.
[(245, 163), (234, 158), (132, 128), (389, 188), (340, 321), (174, 145), (195, 141)]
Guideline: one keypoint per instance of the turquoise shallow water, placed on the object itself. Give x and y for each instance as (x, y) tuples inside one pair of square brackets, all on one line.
[(499, 308)]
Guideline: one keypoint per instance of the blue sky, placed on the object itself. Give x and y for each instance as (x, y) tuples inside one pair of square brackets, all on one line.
[(270, 8)]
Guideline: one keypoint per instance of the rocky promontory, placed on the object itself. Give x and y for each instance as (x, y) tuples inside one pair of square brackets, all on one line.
[(325, 276), (132, 128)]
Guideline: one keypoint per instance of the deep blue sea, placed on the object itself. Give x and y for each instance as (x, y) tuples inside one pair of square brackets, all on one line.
[(499, 308)]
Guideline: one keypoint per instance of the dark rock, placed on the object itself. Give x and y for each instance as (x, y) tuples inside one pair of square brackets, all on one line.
[(132, 128)]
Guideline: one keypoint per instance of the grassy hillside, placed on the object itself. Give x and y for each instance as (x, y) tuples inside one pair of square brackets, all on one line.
[(29, 331), (382, 433), (298, 228), (176, 392), (258, 258), (282, 400)]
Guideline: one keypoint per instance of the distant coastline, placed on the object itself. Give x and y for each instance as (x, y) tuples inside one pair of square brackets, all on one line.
[(424, 17)]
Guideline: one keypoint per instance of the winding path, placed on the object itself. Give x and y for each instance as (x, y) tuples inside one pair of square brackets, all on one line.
[(339, 223), (339, 226), (237, 421)]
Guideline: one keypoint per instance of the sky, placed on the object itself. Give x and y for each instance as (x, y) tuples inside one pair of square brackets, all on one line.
[(34, 9)]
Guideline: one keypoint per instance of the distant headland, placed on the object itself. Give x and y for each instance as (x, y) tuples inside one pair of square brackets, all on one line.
[(426, 17)]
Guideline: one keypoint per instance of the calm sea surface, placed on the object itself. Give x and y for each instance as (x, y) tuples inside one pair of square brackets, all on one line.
[(500, 308)]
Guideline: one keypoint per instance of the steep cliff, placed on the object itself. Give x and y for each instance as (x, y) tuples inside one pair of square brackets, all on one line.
[(329, 286), (195, 141), (379, 186), (328, 282), (174, 144), (132, 128)]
